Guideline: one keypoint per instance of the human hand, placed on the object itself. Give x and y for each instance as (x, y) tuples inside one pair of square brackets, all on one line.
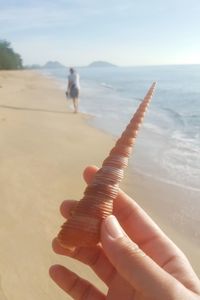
[(138, 262)]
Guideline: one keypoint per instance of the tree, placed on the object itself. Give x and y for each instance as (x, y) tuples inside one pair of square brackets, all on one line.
[(9, 60)]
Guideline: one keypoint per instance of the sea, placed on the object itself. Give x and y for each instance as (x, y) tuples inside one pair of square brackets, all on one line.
[(168, 144)]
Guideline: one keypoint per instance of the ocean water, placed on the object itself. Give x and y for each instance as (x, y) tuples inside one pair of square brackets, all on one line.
[(168, 144)]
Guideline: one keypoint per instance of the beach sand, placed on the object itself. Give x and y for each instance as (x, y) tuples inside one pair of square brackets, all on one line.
[(44, 149)]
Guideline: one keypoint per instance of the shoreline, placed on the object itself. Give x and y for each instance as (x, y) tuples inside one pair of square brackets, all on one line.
[(45, 148)]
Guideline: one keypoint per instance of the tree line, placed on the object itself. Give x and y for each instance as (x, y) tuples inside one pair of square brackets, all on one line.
[(9, 60)]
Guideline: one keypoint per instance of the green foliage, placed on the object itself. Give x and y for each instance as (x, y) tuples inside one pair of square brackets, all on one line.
[(9, 60)]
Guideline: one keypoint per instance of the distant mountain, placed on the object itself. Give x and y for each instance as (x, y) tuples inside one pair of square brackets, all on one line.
[(53, 65), (101, 64), (57, 65)]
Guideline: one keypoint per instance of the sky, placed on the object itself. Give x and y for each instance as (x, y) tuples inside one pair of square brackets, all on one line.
[(125, 33)]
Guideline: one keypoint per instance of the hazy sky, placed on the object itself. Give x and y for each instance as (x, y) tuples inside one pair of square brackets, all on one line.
[(126, 32)]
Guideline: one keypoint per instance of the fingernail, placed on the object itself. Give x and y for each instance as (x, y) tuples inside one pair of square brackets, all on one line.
[(113, 228)]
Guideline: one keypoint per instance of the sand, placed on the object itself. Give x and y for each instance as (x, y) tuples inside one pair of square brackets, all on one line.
[(44, 149)]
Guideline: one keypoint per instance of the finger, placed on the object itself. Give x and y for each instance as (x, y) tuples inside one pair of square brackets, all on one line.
[(77, 287), (89, 172), (152, 240), (67, 207), (143, 230), (94, 257), (138, 269)]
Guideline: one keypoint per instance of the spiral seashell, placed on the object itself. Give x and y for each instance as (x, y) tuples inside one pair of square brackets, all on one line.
[(83, 227)]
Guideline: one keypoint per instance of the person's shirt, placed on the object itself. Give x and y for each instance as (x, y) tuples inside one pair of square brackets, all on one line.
[(74, 80)]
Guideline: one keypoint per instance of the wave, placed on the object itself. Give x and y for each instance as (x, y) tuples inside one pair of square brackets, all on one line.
[(164, 179), (108, 86), (174, 115)]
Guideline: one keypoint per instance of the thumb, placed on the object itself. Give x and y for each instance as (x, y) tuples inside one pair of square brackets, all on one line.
[(142, 273)]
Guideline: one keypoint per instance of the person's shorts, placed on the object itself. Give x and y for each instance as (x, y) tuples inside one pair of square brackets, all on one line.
[(74, 92)]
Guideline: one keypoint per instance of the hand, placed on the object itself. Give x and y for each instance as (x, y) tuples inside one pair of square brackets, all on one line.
[(138, 262)]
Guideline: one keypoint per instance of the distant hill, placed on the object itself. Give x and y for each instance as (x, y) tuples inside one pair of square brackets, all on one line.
[(57, 65), (101, 64), (53, 65)]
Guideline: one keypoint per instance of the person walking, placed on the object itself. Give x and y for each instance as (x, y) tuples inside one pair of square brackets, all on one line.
[(73, 89)]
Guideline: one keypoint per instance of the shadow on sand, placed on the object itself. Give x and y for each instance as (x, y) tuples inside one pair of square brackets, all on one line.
[(34, 109)]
